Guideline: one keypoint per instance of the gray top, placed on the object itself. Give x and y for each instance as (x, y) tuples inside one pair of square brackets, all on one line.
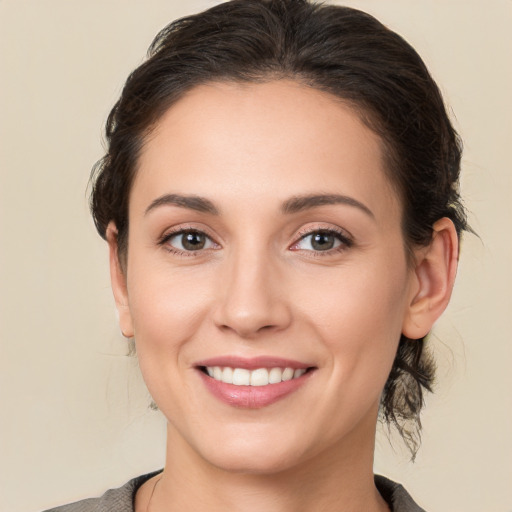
[(122, 499)]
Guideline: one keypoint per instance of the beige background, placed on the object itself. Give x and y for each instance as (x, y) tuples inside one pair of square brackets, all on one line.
[(74, 417)]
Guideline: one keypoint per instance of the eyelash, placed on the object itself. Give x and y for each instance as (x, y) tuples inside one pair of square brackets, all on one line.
[(345, 241), (164, 241)]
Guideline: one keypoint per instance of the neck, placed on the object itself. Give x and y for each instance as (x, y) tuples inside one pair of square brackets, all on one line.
[(340, 479)]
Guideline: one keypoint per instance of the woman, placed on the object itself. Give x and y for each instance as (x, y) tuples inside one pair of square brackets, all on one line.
[(280, 201)]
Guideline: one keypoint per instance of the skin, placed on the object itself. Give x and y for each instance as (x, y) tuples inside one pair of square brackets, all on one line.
[(260, 288)]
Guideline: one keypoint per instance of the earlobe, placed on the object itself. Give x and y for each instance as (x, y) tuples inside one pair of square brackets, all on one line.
[(434, 273), (118, 282)]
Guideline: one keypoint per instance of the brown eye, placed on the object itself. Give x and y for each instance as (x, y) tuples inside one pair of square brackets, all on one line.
[(193, 241), (322, 241), (190, 241)]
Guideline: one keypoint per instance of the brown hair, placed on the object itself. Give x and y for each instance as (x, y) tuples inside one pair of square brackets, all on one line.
[(343, 51)]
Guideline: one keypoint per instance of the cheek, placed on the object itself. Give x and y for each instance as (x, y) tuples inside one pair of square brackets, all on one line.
[(356, 299), (167, 307), (358, 314), (168, 311)]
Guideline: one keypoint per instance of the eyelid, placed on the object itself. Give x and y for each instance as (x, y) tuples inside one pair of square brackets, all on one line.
[(184, 228), (342, 235), (181, 229)]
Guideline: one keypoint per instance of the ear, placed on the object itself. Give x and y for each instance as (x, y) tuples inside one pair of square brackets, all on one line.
[(434, 276), (118, 281)]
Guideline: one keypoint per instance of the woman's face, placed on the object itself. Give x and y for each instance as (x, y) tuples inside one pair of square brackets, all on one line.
[(264, 235)]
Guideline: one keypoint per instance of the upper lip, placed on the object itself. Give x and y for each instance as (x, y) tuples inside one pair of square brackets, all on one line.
[(253, 363)]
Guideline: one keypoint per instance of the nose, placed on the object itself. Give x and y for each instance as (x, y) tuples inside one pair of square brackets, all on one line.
[(253, 297)]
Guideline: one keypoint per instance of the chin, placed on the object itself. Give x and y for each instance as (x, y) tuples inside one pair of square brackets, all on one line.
[(253, 463), (247, 455)]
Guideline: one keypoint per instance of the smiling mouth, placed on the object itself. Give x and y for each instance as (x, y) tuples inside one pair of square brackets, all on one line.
[(256, 377), (253, 383)]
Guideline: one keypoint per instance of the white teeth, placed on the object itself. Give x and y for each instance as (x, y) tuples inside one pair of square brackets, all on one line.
[(217, 373), (288, 374), (259, 377), (241, 377), (275, 375), (227, 375)]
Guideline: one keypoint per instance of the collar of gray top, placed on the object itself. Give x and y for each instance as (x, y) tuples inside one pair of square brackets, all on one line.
[(122, 498)]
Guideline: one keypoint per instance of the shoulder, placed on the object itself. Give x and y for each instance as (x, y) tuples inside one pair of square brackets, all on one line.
[(396, 496), (114, 500)]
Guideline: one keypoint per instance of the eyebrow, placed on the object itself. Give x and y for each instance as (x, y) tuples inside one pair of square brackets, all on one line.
[(197, 203), (293, 205), (300, 203)]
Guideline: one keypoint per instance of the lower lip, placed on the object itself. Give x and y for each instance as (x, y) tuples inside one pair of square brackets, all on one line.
[(252, 397)]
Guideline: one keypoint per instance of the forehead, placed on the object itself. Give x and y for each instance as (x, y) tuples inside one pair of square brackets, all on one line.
[(250, 141)]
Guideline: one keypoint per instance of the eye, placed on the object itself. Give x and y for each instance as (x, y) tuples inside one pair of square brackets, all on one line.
[(188, 240), (322, 241)]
